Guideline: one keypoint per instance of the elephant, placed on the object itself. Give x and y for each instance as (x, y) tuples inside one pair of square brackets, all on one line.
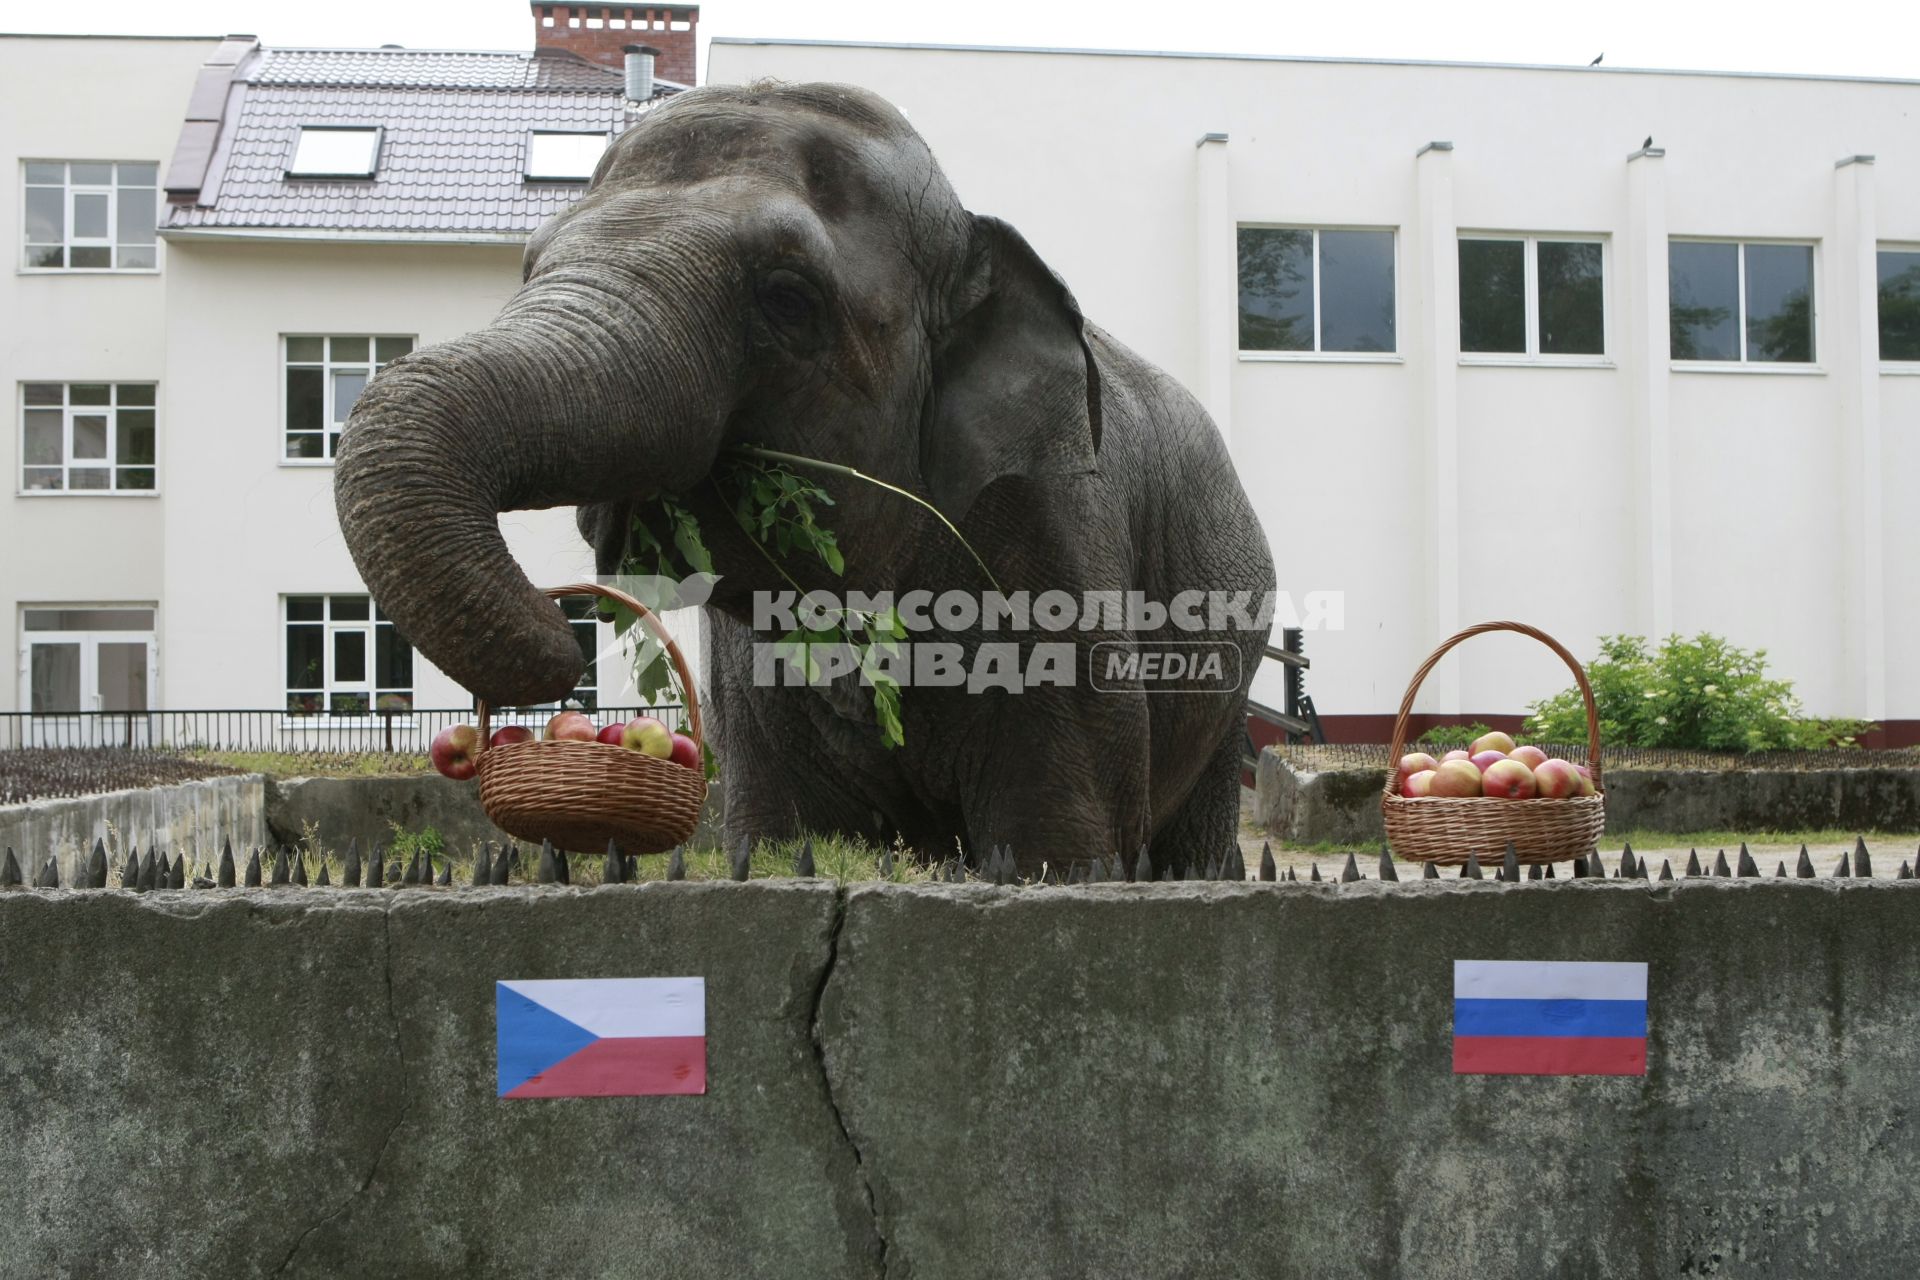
[(786, 266)]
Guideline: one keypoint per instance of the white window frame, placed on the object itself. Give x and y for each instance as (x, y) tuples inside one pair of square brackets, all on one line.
[(1317, 356), (67, 411), (527, 175), (326, 717), (290, 174), (328, 367), (1531, 257), (1898, 368), (1743, 365), (68, 242)]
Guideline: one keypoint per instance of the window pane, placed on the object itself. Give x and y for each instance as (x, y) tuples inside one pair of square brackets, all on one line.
[(55, 679), (46, 215), (348, 704), (303, 656), (53, 173), (1276, 289), (122, 676), (306, 444), (309, 350), (1572, 300), (44, 393), (90, 436), (392, 659), (305, 704), (304, 399), (1900, 305), (92, 175), (89, 619), (347, 386), (89, 478), (89, 393), (98, 257), (133, 438), (386, 349), (90, 217), (341, 153), (39, 255), (346, 349), (43, 445), (348, 608), (133, 219), (1493, 296), (132, 256), (1703, 284), (139, 175), (133, 393), (1356, 291), (1780, 303), (306, 609), (565, 156), (41, 479), (350, 657), (140, 478)]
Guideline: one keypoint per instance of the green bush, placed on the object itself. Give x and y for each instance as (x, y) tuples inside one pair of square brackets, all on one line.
[(1453, 735), (1701, 694)]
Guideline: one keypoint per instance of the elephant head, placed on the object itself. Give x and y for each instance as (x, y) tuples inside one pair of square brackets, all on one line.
[(782, 265)]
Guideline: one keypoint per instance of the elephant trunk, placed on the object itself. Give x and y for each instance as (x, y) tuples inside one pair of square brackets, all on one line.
[(584, 390)]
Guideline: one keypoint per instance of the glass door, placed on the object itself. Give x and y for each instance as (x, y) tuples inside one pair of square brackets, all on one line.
[(82, 665)]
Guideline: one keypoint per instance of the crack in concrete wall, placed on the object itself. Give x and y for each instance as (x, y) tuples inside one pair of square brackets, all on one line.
[(877, 1247)]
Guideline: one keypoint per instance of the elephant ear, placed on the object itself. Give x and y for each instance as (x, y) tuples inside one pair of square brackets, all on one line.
[(1015, 388)]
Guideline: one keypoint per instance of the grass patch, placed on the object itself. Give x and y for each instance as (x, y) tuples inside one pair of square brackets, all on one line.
[(318, 764)]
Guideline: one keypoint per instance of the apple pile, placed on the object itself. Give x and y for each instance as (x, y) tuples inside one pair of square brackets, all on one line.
[(1493, 766), (456, 749)]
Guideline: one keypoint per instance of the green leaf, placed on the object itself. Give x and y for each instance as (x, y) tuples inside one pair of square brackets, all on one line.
[(831, 554), (886, 713)]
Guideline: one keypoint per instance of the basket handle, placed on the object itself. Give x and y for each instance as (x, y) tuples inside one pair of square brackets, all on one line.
[(1413, 689), (653, 624)]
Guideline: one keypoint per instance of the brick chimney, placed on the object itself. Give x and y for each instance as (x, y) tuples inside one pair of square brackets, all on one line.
[(601, 32)]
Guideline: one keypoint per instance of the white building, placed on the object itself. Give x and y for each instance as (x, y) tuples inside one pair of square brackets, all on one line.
[(1473, 427)]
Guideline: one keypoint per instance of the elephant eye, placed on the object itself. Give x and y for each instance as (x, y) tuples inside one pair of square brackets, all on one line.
[(789, 299)]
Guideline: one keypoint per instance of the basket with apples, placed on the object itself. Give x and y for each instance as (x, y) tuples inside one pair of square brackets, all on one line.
[(634, 782), (1480, 800)]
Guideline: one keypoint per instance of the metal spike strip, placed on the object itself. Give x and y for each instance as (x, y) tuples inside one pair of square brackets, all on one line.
[(1268, 871)]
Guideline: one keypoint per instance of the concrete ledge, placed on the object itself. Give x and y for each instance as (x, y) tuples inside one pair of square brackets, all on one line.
[(966, 1082), (185, 817)]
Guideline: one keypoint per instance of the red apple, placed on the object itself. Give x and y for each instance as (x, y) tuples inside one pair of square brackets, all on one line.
[(1495, 741), (1586, 784), (506, 737), (1482, 759), (1455, 778), (1416, 762), (685, 751), (647, 736), (453, 750), (1556, 780), (570, 726), (1508, 780), (1456, 754), (612, 733), (1530, 756), (1417, 784)]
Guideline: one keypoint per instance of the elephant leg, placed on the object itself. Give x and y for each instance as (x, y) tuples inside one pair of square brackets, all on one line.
[(1207, 822)]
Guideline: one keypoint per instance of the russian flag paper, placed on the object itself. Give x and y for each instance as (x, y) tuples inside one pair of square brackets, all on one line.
[(1549, 1018), (601, 1037)]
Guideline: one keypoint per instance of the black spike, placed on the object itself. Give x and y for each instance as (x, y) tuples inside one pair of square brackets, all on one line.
[(97, 866), (1905, 872), (1212, 871), (1193, 869), (281, 871), (1268, 871), (325, 881), (1533, 871), (1097, 871), (1780, 870), (1693, 862), (1430, 873), (1746, 865), (563, 863), (743, 862), (1720, 867), (130, 874), (1471, 870), (1350, 872), (149, 873), (1236, 866), (956, 870), (10, 871), (482, 865), (613, 867), (677, 865), (350, 865), (1628, 863), (48, 877), (299, 868), (1845, 869), (1596, 865), (1078, 875), (502, 870), (1290, 875), (446, 873), (1143, 869), (1580, 868), (1862, 864), (1550, 874), (1315, 877), (253, 870), (548, 872), (177, 874), (1640, 869), (803, 865), (1388, 871), (1510, 865), (162, 872)]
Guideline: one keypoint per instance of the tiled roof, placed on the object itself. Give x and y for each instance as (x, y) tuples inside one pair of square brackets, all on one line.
[(452, 150)]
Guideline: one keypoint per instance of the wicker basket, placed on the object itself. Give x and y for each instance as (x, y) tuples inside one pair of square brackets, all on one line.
[(582, 794), (1446, 829)]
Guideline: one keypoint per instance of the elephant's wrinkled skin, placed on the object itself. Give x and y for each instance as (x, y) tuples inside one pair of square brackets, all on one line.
[(785, 265)]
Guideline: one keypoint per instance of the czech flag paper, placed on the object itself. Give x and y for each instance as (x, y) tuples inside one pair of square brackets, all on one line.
[(602, 1037), (1549, 1018)]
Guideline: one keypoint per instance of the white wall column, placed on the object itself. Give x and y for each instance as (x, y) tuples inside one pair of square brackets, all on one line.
[(1642, 289), (1433, 247), (1216, 268), (1851, 349)]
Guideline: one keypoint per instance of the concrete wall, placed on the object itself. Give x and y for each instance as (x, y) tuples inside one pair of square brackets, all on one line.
[(1393, 478), (1343, 806), (1201, 1080), (193, 818)]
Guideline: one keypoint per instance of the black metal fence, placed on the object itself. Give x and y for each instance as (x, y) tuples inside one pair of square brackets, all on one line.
[(270, 730)]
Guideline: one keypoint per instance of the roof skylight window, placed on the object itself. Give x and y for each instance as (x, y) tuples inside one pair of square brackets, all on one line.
[(564, 157), (327, 152)]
